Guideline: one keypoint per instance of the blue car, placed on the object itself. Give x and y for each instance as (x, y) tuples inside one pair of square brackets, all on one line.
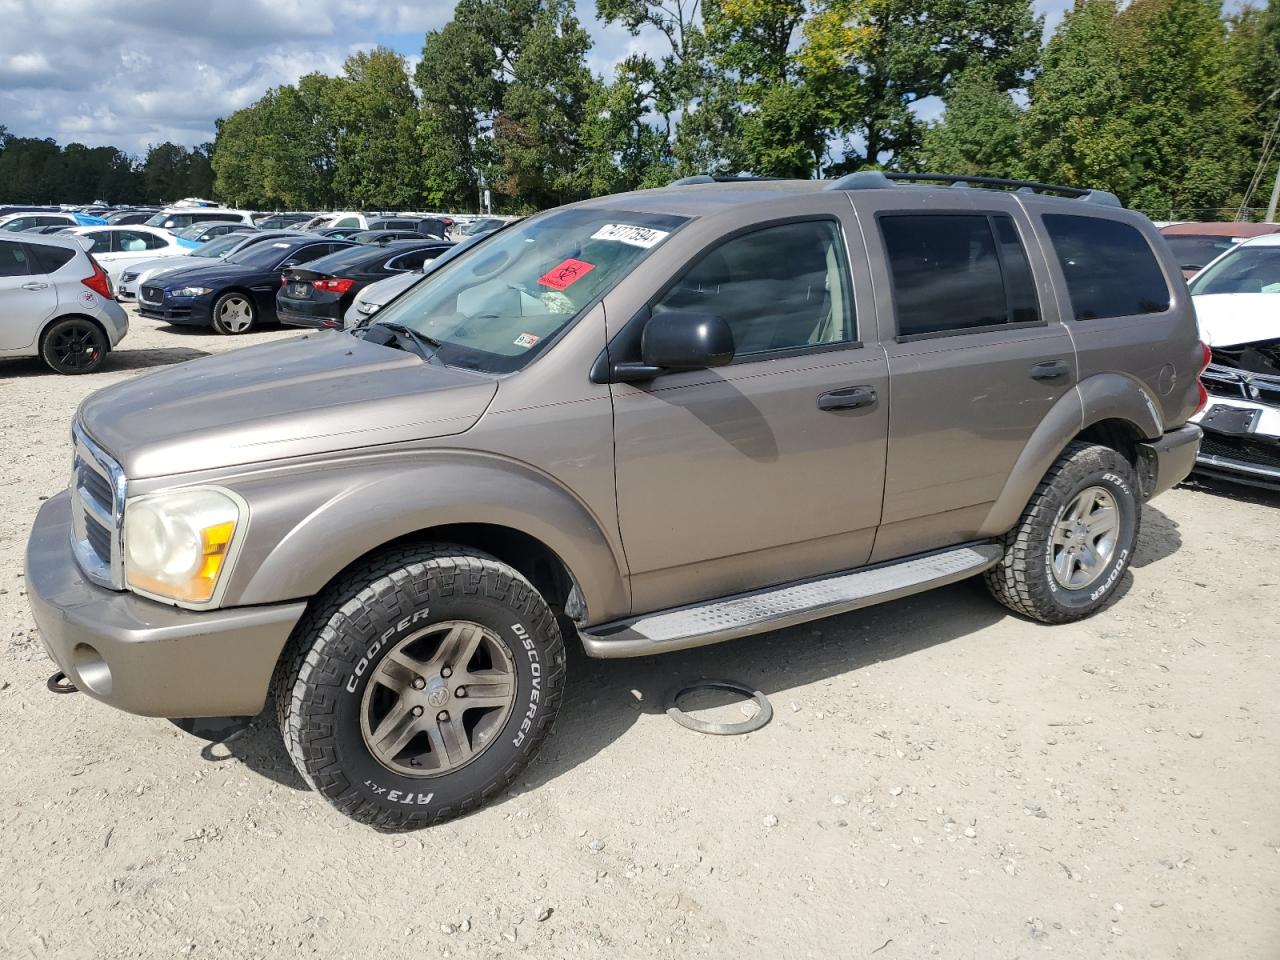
[(236, 294)]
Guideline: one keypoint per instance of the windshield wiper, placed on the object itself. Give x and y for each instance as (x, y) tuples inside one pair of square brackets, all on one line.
[(427, 347)]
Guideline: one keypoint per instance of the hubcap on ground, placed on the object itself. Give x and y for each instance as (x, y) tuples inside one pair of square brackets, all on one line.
[(236, 314), (74, 346), (437, 700), (1084, 538)]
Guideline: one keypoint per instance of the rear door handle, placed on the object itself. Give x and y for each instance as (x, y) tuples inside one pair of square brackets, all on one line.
[(1050, 370), (848, 398), (35, 285)]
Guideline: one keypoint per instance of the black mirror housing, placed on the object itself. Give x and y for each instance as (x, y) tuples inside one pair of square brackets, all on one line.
[(686, 340)]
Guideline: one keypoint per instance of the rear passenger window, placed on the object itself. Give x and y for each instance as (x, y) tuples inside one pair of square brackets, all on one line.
[(1109, 267), (779, 288), (13, 260), (48, 259), (955, 272)]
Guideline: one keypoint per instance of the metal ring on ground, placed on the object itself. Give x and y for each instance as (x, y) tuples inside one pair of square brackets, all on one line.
[(764, 712), (59, 683)]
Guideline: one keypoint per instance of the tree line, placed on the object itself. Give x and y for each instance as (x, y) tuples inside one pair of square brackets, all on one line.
[(1174, 105), (39, 171)]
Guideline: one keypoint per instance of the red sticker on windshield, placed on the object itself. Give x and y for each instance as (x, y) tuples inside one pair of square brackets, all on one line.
[(565, 274)]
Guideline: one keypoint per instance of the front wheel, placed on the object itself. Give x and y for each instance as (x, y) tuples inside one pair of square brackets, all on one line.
[(1075, 538), (420, 686), (234, 314)]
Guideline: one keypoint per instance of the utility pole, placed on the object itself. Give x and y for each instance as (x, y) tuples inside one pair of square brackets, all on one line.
[(1275, 199)]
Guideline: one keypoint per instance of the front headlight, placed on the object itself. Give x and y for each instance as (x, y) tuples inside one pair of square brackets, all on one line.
[(178, 544), (191, 292)]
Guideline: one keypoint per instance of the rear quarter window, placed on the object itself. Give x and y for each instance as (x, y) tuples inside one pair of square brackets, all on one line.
[(49, 259), (1110, 269)]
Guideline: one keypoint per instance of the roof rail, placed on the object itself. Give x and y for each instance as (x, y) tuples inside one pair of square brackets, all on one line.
[(708, 178), (879, 180)]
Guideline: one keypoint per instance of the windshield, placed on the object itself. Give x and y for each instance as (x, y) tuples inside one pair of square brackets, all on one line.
[(194, 231), (1248, 269), (219, 246), (263, 256), (496, 307), (171, 220), (1195, 252)]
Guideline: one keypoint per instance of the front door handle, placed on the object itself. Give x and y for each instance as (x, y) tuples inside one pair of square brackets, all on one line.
[(848, 398), (1050, 370), (35, 285)]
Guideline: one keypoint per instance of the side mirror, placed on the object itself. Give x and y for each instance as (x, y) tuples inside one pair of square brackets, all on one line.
[(679, 340)]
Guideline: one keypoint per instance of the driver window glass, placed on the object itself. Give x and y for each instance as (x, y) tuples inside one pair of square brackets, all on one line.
[(780, 288)]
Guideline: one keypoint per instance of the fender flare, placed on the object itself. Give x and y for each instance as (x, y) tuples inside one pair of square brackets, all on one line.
[(310, 532), (1105, 396)]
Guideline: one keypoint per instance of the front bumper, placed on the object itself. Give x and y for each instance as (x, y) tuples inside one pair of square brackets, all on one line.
[(1169, 460), (146, 657), (192, 313)]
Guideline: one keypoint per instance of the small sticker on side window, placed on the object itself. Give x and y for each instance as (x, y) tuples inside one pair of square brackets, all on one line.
[(630, 234), (566, 273)]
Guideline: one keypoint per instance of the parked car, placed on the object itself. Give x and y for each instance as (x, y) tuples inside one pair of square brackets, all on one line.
[(318, 294), (198, 233), (127, 218), (392, 223), (119, 247), (384, 236), (338, 233), (645, 422), (236, 294), (1196, 244), (219, 248), (342, 220), (55, 303), (1237, 301), (179, 218), (283, 221), (480, 225), (18, 222)]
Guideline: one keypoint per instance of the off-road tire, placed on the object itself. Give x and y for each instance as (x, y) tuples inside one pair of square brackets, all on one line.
[(1023, 579), (74, 345), (319, 684)]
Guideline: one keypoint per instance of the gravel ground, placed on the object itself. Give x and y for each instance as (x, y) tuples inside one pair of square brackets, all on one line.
[(941, 779)]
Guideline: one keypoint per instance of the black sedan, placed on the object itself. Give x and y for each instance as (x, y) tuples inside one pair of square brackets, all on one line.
[(385, 236), (319, 293), (233, 295)]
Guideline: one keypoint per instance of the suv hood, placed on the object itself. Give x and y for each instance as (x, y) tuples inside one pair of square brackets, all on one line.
[(317, 393), (1229, 319)]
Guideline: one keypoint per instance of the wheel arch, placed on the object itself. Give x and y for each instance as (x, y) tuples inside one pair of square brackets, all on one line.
[(57, 318)]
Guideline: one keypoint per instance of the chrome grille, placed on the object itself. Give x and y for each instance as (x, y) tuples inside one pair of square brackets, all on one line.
[(97, 512), (150, 294)]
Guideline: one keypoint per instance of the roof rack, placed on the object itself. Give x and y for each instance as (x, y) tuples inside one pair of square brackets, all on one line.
[(707, 178), (878, 180)]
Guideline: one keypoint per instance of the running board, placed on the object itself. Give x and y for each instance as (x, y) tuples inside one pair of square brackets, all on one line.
[(773, 608)]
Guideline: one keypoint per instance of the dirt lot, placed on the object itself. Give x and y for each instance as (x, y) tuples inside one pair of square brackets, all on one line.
[(940, 779)]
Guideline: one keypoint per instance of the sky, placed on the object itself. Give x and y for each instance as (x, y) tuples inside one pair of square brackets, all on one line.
[(131, 73)]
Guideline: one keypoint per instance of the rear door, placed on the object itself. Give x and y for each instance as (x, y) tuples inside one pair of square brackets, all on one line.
[(977, 357), (743, 476), (27, 296)]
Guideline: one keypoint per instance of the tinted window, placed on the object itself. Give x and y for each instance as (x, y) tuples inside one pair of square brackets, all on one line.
[(1195, 252), (101, 241), (152, 241), (346, 222), (957, 272), (313, 252), (415, 258), (263, 256), (347, 258), (779, 288), (1249, 269), (49, 259), (14, 261), (1109, 267)]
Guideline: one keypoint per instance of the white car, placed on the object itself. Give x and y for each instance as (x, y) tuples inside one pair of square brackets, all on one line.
[(178, 218), (118, 247), (1237, 301), (56, 304), (31, 220), (342, 219)]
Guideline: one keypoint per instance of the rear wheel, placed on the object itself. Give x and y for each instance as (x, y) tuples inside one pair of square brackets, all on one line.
[(74, 345), (233, 314), (1075, 538), (420, 686)]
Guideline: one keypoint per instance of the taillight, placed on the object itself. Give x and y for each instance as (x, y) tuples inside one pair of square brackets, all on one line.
[(334, 286), (283, 280), (1206, 357), (99, 282)]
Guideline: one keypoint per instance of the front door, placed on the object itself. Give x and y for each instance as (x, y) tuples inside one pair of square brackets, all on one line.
[(769, 469), (977, 357)]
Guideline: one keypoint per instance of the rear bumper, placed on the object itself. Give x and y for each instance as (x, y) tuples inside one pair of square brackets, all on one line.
[(145, 657), (1171, 458), (292, 318)]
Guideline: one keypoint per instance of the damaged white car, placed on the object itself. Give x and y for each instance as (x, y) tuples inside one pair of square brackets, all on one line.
[(1237, 300)]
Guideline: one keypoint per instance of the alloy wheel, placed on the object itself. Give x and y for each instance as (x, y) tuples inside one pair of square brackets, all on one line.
[(236, 314), (1084, 537), (75, 345)]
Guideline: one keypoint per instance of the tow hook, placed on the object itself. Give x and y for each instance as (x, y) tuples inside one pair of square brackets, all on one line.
[(59, 683)]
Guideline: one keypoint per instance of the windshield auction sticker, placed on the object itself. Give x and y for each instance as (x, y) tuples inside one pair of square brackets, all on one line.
[(566, 273), (627, 233)]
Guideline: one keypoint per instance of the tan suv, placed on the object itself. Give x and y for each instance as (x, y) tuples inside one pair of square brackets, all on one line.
[(644, 422)]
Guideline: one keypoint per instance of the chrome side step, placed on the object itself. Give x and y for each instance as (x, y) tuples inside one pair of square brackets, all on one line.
[(782, 606)]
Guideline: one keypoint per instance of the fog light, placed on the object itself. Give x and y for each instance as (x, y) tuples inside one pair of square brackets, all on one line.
[(91, 670)]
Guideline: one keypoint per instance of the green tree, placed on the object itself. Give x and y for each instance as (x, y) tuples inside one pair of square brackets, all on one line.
[(979, 131), (1253, 47), (239, 156)]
